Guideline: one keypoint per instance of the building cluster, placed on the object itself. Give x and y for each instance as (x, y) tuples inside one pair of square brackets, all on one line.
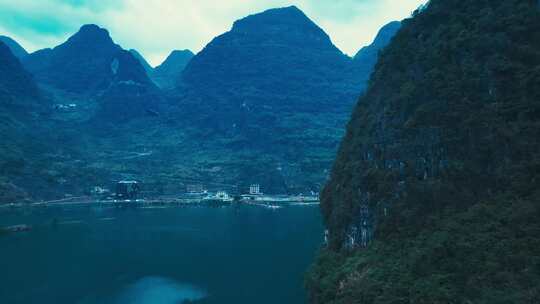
[(131, 190), (128, 190), (255, 189)]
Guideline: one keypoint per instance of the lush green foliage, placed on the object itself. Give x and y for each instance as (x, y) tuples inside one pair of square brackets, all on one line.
[(444, 150)]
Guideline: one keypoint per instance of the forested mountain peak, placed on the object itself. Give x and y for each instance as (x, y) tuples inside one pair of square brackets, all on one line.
[(280, 42), (276, 21), (90, 33), (84, 64)]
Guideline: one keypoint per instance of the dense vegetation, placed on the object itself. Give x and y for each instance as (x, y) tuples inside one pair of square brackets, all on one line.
[(443, 150)]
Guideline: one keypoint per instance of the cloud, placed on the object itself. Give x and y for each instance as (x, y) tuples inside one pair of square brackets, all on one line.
[(156, 27)]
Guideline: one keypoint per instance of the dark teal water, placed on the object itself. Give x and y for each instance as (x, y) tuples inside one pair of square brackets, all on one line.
[(223, 255)]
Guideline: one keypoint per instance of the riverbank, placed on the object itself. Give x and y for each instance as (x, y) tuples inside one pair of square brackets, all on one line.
[(88, 201)]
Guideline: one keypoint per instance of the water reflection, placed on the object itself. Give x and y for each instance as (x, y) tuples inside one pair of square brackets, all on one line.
[(159, 290)]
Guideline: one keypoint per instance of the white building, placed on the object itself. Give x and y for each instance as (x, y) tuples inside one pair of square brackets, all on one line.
[(255, 189)]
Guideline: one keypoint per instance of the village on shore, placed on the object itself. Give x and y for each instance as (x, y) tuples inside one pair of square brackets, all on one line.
[(130, 193)]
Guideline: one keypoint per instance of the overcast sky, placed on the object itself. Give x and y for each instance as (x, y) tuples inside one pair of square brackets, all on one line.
[(156, 27)]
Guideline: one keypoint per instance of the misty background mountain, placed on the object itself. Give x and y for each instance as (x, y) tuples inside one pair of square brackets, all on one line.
[(266, 102)]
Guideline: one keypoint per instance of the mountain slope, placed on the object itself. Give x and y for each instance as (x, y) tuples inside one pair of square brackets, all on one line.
[(167, 74), (147, 67), (15, 47), (16, 84), (252, 89), (434, 194), (25, 140), (131, 93)]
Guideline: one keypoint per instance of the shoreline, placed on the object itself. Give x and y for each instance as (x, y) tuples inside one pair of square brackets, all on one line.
[(155, 203)]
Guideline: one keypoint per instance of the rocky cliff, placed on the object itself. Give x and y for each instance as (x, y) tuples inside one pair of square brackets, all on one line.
[(434, 194)]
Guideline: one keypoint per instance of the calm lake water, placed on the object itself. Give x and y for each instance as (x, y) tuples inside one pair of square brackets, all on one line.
[(85, 255)]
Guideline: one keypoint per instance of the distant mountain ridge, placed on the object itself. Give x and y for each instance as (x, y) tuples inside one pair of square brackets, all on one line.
[(167, 74), (82, 64), (263, 103)]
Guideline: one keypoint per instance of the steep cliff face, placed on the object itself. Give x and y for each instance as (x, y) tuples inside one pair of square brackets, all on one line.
[(434, 194)]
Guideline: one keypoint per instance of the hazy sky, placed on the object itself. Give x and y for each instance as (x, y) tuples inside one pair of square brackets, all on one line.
[(155, 27)]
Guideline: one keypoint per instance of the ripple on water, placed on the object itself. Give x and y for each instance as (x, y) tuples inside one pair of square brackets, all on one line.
[(159, 290)]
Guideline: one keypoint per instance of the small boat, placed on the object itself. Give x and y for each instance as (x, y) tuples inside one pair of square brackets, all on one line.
[(219, 197), (16, 228)]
